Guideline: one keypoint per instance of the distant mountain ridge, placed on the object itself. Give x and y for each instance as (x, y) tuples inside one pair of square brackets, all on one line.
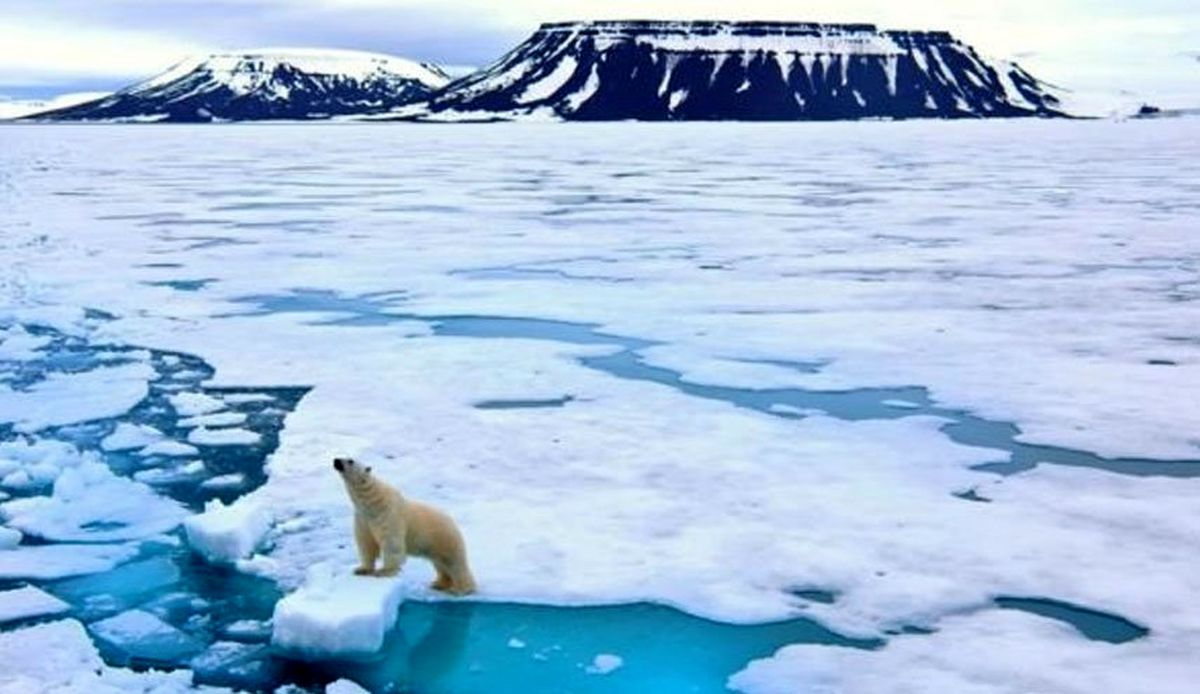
[(713, 70), (266, 84)]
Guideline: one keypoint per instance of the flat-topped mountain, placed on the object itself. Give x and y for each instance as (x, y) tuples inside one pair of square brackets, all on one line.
[(266, 84), (712, 70)]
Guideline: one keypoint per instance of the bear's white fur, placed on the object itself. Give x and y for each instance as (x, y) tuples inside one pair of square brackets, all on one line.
[(387, 524)]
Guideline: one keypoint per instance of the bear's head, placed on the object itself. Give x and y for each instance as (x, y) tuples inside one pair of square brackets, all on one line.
[(351, 471)]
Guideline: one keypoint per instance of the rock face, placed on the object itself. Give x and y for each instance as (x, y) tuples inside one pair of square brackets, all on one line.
[(644, 70), (266, 84)]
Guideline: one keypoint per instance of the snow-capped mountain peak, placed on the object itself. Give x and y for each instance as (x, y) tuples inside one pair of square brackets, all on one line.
[(712, 70), (296, 83)]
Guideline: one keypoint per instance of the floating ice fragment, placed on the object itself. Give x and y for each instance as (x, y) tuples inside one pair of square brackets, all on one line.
[(247, 630), (69, 398), (344, 686), (241, 398), (231, 664), (91, 504), (217, 419), (191, 404), (230, 481), (27, 602), (204, 436), (170, 449), (516, 643), (345, 617), (59, 561), (604, 663), (227, 533), (127, 437), (140, 635)]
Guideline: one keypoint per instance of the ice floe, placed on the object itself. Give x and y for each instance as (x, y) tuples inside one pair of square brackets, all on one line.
[(60, 561), (227, 533), (336, 615), (27, 602), (92, 504), (66, 661)]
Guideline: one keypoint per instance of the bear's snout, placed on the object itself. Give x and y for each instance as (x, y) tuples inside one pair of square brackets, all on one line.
[(341, 464)]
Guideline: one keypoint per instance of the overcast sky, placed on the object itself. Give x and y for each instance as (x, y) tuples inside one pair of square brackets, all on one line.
[(52, 46)]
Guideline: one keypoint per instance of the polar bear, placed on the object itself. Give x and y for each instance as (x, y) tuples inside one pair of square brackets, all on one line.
[(385, 522)]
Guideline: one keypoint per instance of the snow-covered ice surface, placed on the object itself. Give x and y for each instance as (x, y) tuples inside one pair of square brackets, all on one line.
[(727, 320), (336, 614)]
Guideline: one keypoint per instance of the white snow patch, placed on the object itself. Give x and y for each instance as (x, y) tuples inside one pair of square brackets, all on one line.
[(9, 538)]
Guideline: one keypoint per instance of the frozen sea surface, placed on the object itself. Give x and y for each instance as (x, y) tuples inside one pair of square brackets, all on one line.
[(914, 384)]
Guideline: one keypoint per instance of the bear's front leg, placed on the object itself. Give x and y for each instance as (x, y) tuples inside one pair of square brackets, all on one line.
[(393, 556), (368, 548)]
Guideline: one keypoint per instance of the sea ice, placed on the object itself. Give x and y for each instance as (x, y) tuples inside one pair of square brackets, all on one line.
[(203, 436), (605, 663), (192, 404), (169, 448), (66, 662), (140, 635), (231, 481), (217, 419), (992, 652), (68, 398), (343, 616), (48, 562), (344, 686), (91, 504), (23, 603), (18, 344), (127, 437), (228, 533)]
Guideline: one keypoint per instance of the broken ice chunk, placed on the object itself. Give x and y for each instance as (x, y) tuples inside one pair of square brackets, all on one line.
[(192, 404), (169, 449), (139, 635), (204, 436), (27, 602), (237, 665), (346, 617), (91, 504), (59, 561), (127, 437), (230, 481), (227, 533), (218, 419)]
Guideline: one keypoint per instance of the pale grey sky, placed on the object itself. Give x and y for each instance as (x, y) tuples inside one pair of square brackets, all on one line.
[(1149, 46)]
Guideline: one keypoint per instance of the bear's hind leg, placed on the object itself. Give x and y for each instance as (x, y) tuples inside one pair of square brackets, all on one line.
[(443, 581), (368, 548)]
